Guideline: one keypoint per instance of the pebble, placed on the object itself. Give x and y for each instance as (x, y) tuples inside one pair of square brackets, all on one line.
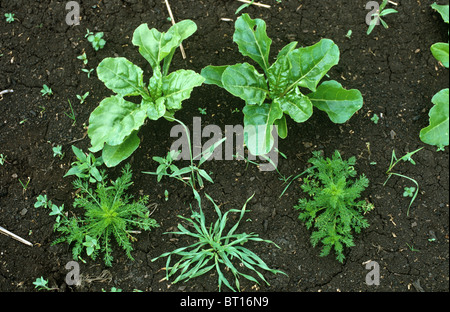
[(23, 211)]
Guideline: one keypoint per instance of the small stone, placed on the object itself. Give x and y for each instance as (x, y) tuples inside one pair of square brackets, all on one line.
[(23, 211)]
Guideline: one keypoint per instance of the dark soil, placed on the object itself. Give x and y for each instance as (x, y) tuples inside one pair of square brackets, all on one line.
[(393, 68)]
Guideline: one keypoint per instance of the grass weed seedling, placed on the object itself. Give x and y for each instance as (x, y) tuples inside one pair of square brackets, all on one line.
[(333, 209), (215, 248), (71, 115)]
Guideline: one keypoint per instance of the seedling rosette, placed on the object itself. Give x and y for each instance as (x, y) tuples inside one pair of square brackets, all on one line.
[(269, 97), (114, 124)]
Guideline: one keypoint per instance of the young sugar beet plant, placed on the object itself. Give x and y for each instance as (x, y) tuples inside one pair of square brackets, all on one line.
[(114, 124), (437, 133), (332, 209), (269, 97)]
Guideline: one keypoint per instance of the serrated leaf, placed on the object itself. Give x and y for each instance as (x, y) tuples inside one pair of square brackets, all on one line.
[(121, 76), (178, 86), (114, 120), (258, 126), (309, 65), (440, 52), (242, 80), (340, 104), (113, 155), (437, 133), (252, 40)]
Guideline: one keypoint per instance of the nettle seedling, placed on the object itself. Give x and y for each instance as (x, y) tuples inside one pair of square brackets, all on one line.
[(333, 209), (377, 17), (269, 97), (9, 17), (114, 124), (96, 40)]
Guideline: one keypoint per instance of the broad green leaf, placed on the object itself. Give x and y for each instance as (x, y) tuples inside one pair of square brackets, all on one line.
[(309, 65), (258, 126), (278, 74), (155, 84), (114, 120), (242, 80), (437, 132), (298, 106), (440, 52), (113, 155), (156, 109), (213, 74), (121, 76), (252, 40), (443, 10), (281, 127), (154, 46), (178, 86), (340, 104)]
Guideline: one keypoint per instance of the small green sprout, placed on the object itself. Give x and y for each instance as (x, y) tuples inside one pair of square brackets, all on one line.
[(202, 111), (377, 17), (91, 245), (9, 17), (71, 115), (42, 284), (375, 119), (349, 34), (96, 40), (42, 201), (88, 71), (57, 151), (46, 90), (409, 191), (82, 98), (2, 159), (83, 57), (166, 195)]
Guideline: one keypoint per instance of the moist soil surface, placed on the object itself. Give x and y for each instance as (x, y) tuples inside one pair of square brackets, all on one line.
[(393, 68)]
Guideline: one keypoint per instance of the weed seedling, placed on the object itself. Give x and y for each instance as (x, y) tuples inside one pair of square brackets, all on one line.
[(88, 72), (2, 159), (9, 17), (42, 201), (46, 90), (96, 40), (82, 98), (83, 57), (42, 284), (216, 246), (375, 119), (409, 192), (71, 115), (85, 167), (202, 111), (57, 151), (377, 17), (333, 209), (25, 185), (394, 162)]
